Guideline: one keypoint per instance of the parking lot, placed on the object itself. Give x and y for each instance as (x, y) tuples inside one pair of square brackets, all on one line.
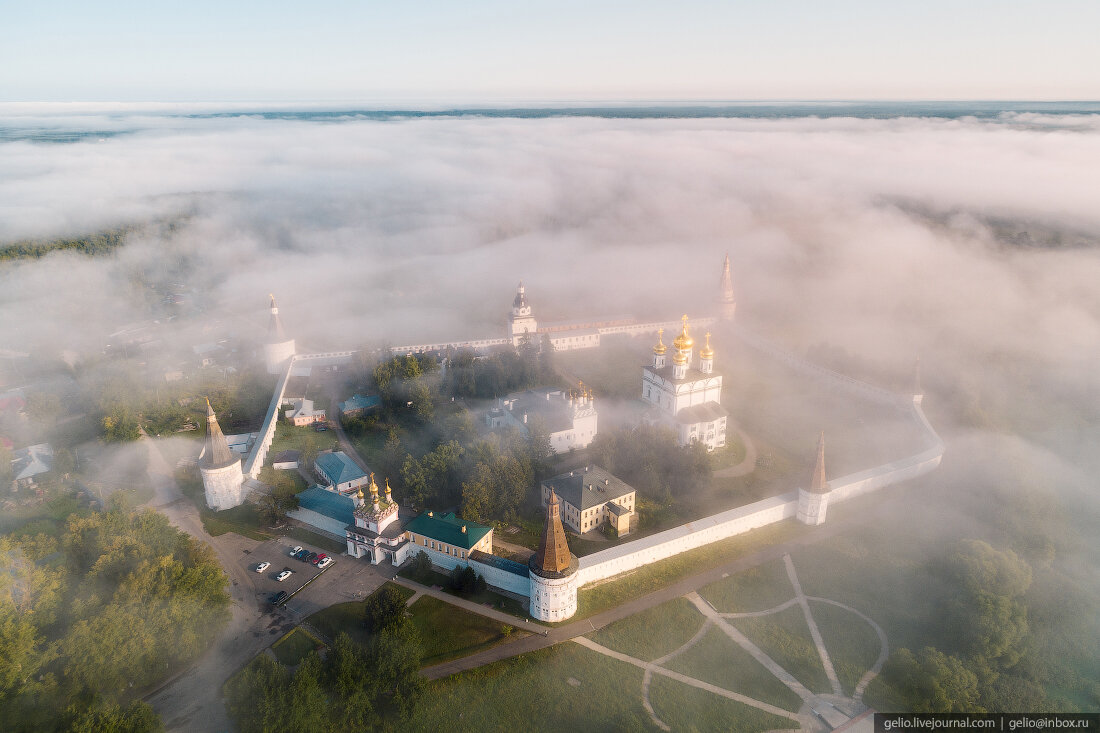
[(346, 579)]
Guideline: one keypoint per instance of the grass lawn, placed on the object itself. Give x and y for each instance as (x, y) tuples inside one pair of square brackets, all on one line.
[(785, 638), (447, 632), (676, 620), (756, 589), (852, 644), (688, 708), (244, 520), (496, 600), (288, 437), (317, 540), (294, 647), (718, 660), (564, 688), (657, 575), (729, 455), (348, 617)]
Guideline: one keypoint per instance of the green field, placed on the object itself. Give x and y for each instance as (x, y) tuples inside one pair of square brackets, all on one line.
[(718, 660), (756, 589), (348, 617), (447, 632), (294, 647), (652, 633), (785, 638), (686, 708)]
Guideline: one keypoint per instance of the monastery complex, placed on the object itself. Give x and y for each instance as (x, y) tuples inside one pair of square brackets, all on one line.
[(681, 387)]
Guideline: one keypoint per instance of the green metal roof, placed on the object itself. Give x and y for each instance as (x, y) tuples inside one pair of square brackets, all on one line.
[(447, 528)]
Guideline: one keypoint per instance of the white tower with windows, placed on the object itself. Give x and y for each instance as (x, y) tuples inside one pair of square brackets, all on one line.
[(521, 321), (278, 349)]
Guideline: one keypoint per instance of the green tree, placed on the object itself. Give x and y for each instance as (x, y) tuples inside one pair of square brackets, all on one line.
[(384, 609), (932, 682)]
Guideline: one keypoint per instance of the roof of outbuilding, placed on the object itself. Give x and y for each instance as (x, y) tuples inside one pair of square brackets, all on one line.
[(448, 528), (339, 467), (329, 503), (588, 487)]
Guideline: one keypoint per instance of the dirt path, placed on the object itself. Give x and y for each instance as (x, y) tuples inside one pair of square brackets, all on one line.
[(747, 464)]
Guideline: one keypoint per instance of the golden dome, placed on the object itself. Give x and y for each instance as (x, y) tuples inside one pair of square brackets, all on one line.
[(660, 348), (387, 486), (706, 352), (373, 486), (679, 358), (360, 493), (684, 340)]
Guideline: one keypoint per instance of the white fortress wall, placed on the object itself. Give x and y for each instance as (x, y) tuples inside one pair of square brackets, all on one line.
[(520, 584), (475, 344), (316, 519), (637, 329), (255, 460), (631, 555)]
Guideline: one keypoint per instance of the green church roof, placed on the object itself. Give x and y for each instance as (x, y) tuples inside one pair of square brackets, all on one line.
[(447, 528)]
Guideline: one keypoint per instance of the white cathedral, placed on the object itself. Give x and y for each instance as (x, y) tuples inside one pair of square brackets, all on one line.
[(687, 392)]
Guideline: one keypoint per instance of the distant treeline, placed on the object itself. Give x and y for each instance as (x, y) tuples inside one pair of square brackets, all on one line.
[(99, 243)]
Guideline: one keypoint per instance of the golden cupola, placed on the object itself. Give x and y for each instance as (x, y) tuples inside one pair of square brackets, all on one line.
[(706, 352), (660, 348), (373, 488), (684, 341)]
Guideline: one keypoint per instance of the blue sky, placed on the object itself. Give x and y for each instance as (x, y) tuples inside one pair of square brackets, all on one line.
[(563, 50)]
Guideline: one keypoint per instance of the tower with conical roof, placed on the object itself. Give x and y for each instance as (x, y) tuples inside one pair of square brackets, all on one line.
[(278, 347), (727, 303), (521, 323), (553, 570), (220, 467), (814, 501)]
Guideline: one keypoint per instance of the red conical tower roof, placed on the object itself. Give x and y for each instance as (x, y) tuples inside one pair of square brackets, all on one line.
[(553, 554), (818, 485), (275, 332), (217, 453)]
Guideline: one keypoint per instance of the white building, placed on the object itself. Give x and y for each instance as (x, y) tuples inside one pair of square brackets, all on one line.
[(570, 420), (522, 324), (222, 478), (376, 534), (302, 413), (687, 393)]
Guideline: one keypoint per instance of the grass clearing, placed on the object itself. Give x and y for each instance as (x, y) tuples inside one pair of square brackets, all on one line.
[(244, 520), (447, 632), (687, 708), (658, 575), (348, 617), (499, 602), (720, 661), (677, 621), (295, 646), (852, 644), (756, 589), (785, 637)]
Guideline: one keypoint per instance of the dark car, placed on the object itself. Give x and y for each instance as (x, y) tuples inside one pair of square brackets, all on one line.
[(320, 427), (311, 557), (319, 558), (279, 597), (301, 554)]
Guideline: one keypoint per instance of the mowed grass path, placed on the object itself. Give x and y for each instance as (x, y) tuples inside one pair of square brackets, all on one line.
[(718, 660), (653, 633), (785, 638), (685, 708), (852, 644)]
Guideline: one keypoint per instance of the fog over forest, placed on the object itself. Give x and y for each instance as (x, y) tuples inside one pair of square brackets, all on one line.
[(971, 243)]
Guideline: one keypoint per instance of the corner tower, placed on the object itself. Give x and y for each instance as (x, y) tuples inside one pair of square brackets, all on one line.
[(220, 467), (813, 502), (553, 571), (725, 292), (278, 348), (521, 322)]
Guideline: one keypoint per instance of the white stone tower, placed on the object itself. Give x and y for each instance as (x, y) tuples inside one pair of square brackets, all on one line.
[(706, 358), (553, 571), (278, 349), (813, 502), (725, 297), (220, 467), (659, 350), (521, 321)]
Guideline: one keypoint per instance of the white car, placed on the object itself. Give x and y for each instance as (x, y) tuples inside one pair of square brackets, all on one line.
[(262, 567), (296, 550), (325, 563), (283, 575)]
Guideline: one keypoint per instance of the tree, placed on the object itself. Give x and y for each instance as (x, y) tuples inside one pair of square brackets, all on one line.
[(932, 682), (988, 615), (422, 563), (385, 609), (477, 499)]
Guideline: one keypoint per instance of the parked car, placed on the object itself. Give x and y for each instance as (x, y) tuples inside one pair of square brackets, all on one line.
[(310, 557), (320, 427), (262, 567), (284, 575), (295, 551), (279, 597), (301, 554), (325, 563), (319, 558)]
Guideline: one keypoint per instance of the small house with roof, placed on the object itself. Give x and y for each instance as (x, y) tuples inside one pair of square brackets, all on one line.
[(301, 412), (340, 472), (591, 496), (30, 462), (358, 404), (446, 534), (569, 419)]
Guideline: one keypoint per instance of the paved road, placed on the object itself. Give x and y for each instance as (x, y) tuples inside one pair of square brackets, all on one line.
[(656, 598)]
